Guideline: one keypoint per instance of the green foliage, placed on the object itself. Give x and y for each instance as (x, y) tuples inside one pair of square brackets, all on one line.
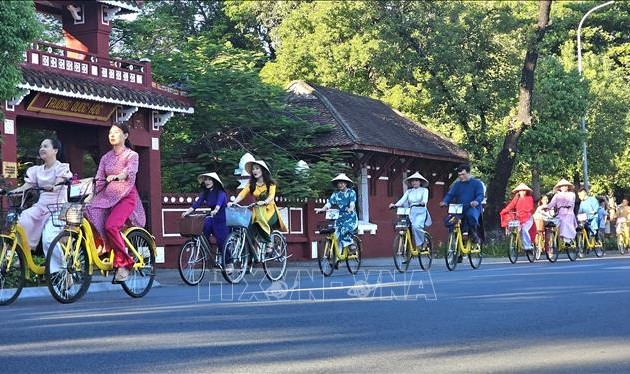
[(19, 29)]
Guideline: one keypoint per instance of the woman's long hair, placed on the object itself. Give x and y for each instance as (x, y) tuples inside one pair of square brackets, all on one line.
[(125, 129), (266, 178)]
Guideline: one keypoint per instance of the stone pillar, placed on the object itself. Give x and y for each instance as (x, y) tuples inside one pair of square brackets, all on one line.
[(364, 196)]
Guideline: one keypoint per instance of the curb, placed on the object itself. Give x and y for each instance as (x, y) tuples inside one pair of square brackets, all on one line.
[(98, 286)]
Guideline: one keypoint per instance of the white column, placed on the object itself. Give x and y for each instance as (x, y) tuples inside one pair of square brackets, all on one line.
[(404, 176), (365, 195)]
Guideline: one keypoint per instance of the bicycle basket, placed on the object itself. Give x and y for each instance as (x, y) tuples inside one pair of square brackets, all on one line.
[(326, 227), (82, 190), (332, 214), (514, 224), (192, 225), (402, 223), (8, 218), (66, 213), (455, 208), (582, 217), (551, 222), (237, 217)]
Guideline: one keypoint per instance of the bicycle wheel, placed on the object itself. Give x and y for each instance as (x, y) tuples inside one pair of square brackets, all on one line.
[(68, 267), (353, 262), (275, 264), (140, 278), (191, 262), (539, 245), (572, 250), (452, 252), (12, 272), (400, 254), (326, 258), (580, 245), (235, 243), (551, 246), (621, 244), (513, 247), (599, 249), (425, 257), (475, 255)]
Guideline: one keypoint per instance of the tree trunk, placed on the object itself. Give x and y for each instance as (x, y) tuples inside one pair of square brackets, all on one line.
[(507, 156), (536, 184)]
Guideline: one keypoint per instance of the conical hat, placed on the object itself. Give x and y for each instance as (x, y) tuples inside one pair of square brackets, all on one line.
[(341, 177), (423, 181), (212, 175), (261, 163), (522, 187), (563, 182)]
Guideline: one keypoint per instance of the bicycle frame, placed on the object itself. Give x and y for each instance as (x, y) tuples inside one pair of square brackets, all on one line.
[(85, 234), (17, 231), (461, 247)]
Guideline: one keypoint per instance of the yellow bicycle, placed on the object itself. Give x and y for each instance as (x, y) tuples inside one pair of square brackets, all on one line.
[(584, 242), (73, 254), (623, 237), (515, 245), (328, 253), (456, 246), (404, 249), (555, 244), (15, 255)]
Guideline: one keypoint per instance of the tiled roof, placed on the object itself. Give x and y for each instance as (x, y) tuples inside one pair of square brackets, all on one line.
[(130, 5), (364, 123), (91, 89)]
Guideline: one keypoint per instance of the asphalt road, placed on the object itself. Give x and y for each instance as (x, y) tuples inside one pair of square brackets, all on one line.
[(556, 318)]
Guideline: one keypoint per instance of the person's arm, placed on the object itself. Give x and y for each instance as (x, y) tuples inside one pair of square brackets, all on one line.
[(196, 204), (221, 202), (326, 206), (478, 194), (450, 194), (510, 206), (271, 195), (402, 200), (243, 194), (353, 200), (130, 170)]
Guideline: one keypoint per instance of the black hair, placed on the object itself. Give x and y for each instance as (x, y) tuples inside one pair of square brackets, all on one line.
[(266, 178), (215, 185), (583, 189), (125, 129), (462, 167), (56, 144)]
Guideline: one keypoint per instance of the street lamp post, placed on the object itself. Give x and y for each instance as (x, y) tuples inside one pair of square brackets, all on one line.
[(579, 53)]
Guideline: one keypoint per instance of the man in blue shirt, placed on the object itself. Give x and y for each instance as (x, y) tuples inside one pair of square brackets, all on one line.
[(469, 192)]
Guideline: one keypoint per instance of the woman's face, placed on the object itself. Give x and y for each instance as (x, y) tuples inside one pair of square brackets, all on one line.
[(522, 193), (564, 188), (341, 185), (46, 151), (545, 200), (415, 183), (117, 136), (208, 182), (256, 171)]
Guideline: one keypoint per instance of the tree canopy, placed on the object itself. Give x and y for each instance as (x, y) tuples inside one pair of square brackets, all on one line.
[(452, 65)]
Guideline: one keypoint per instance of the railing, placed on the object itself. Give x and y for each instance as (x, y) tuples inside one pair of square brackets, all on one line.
[(61, 59)]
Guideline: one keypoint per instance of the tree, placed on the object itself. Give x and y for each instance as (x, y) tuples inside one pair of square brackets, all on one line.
[(523, 119), (19, 29)]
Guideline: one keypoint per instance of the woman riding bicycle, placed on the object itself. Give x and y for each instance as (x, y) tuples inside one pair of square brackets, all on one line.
[(213, 195), (563, 202), (263, 188), (36, 220), (523, 205), (345, 198), (117, 199), (416, 197)]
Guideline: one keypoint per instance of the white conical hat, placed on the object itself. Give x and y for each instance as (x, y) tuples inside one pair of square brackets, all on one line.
[(522, 187), (212, 175), (423, 181), (341, 177), (563, 182), (261, 163)]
